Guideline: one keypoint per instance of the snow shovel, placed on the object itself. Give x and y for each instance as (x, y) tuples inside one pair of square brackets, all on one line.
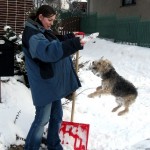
[(74, 135)]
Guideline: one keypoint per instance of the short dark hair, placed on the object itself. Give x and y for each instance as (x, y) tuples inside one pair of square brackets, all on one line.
[(46, 11)]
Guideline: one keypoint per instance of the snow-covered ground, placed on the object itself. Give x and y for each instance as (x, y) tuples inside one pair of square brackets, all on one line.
[(108, 131)]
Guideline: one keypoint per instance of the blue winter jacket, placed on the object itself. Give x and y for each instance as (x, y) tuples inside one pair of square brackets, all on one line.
[(48, 63)]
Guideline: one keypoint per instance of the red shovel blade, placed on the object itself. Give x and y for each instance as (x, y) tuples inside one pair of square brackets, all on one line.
[(74, 135)]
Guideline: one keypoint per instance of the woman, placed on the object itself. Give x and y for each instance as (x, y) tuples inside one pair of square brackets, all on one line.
[(51, 75)]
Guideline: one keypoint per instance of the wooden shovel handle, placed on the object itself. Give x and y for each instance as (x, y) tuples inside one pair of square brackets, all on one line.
[(77, 62), (74, 93)]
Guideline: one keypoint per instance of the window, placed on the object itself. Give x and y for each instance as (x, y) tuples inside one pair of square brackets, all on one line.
[(128, 2)]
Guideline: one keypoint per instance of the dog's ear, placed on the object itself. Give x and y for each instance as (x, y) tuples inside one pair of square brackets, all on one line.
[(109, 65)]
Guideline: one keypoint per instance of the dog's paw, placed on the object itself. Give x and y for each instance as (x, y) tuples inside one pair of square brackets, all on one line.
[(98, 88), (114, 109), (123, 112), (120, 113), (91, 95)]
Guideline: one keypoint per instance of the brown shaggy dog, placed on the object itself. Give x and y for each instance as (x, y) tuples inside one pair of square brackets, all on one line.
[(112, 83)]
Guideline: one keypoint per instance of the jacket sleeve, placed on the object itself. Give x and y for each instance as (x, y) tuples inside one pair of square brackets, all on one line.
[(65, 37), (52, 51), (71, 46)]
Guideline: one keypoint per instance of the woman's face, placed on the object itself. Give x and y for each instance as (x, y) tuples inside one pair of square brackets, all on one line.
[(47, 22)]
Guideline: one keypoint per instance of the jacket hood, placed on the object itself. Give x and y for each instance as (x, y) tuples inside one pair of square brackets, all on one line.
[(35, 25)]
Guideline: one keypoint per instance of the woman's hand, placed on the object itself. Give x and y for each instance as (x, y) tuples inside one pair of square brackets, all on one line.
[(82, 42), (81, 36)]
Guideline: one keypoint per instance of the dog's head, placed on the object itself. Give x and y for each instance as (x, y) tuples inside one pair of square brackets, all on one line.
[(101, 66)]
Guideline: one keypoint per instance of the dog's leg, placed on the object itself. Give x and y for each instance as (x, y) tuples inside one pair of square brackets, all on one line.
[(96, 93), (119, 102), (99, 91), (128, 101), (99, 88), (116, 108), (123, 111)]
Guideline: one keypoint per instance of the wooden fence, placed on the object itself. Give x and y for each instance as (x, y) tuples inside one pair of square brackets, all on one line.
[(69, 25), (13, 13)]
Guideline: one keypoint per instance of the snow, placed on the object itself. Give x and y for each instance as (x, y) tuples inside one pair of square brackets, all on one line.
[(65, 4), (108, 131)]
